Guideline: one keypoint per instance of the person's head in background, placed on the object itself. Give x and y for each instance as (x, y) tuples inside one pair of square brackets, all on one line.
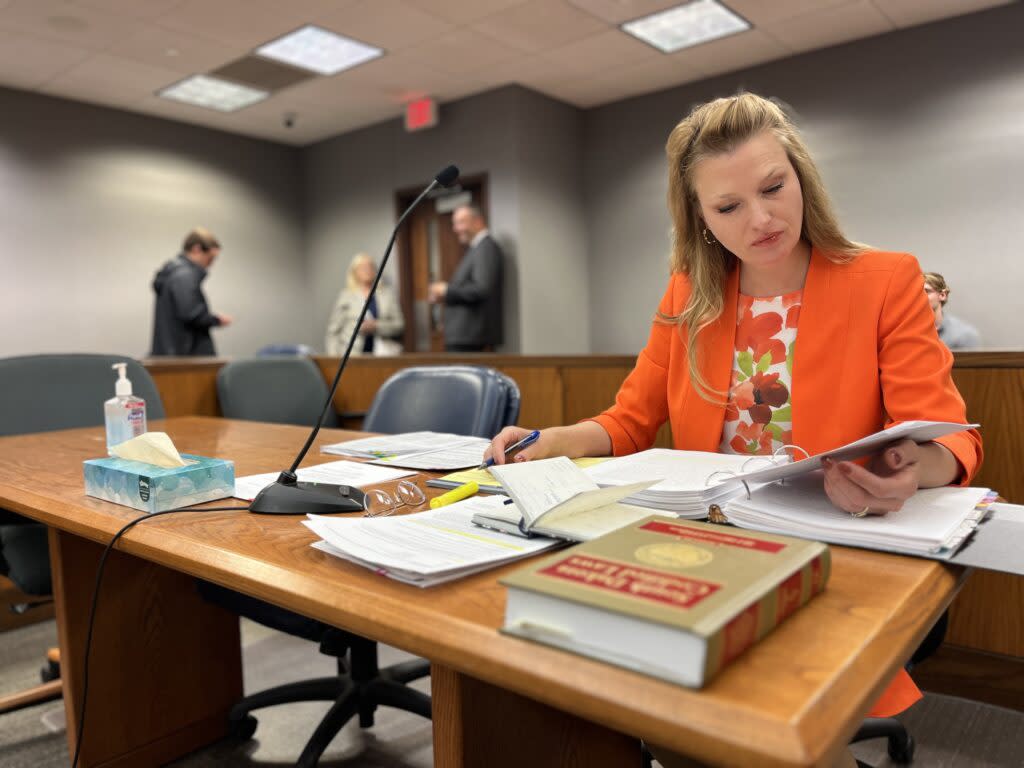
[(937, 291), (201, 247), (743, 186), (360, 273), (467, 222)]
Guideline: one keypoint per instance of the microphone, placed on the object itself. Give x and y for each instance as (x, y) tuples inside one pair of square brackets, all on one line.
[(287, 496)]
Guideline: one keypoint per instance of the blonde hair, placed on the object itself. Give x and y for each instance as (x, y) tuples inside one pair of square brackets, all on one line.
[(351, 283), (937, 283), (711, 129)]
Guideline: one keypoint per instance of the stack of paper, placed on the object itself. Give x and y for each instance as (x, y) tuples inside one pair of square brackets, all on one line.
[(693, 480), (416, 450), (331, 473), (933, 522), (425, 548)]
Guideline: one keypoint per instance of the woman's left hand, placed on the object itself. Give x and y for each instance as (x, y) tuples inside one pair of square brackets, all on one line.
[(890, 479)]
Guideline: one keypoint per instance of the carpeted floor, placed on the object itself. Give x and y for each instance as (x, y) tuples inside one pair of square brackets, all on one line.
[(950, 732)]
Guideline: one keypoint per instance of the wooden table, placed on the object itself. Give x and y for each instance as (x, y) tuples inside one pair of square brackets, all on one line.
[(166, 665)]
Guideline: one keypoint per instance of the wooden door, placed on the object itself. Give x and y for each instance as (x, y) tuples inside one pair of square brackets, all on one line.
[(427, 251)]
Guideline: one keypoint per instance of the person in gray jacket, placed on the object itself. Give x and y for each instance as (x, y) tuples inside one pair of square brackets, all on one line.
[(472, 298), (182, 319), (954, 332)]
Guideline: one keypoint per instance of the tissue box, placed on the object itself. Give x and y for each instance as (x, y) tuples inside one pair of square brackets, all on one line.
[(150, 488)]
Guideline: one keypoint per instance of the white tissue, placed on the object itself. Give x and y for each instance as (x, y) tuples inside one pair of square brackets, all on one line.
[(151, 448)]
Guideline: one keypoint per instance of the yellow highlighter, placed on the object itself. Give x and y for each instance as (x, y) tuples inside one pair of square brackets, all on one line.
[(455, 494)]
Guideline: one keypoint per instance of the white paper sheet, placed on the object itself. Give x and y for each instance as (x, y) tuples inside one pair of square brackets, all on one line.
[(333, 472)]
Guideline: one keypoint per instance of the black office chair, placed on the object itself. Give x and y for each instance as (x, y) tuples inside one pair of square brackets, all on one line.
[(283, 390), (43, 393), (462, 399)]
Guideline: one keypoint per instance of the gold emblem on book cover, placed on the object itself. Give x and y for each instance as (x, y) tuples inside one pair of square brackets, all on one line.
[(673, 555)]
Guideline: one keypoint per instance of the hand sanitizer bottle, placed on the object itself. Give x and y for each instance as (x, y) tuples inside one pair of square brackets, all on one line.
[(125, 414)]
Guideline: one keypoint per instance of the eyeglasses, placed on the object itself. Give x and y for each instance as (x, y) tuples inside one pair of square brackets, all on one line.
[(380, 503)]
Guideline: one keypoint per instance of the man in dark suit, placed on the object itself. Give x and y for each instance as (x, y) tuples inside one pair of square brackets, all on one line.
[(472, 298)]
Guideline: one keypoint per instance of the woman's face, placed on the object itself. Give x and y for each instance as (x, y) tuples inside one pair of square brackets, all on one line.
[(751, 201), (365, 272)]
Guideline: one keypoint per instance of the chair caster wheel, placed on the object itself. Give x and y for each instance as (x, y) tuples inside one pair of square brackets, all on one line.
[(902, 750), (242, 729)]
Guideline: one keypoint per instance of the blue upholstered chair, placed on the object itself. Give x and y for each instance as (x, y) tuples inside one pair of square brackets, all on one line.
[(461, 399), (43, 393), (284, 390)]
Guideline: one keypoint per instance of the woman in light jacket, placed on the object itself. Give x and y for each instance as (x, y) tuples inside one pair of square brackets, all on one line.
[(381, 331)]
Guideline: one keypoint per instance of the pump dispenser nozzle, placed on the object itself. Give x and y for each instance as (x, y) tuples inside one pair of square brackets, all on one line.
[(123, 385)]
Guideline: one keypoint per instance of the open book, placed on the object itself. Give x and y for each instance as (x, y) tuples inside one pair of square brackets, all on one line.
[(553, 497)]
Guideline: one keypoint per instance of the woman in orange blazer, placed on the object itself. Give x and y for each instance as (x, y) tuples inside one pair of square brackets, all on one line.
[(776, 329)]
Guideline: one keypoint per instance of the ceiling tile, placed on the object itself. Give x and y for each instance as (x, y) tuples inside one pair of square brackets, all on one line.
[(462, 51), (112, 80), (238, 22), (28, 62), (133, 9), (729, 54), (388, 24), (162, 47), (540, 25), (619, 11), (463, 11), (63, 20), (605, 50), (830, 26), (758, 12), (907, 13)]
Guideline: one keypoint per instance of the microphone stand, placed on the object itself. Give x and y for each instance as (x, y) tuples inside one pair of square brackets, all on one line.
[(287, 496)]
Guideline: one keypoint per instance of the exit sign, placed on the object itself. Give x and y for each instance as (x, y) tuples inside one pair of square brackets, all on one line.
[(420, 114)]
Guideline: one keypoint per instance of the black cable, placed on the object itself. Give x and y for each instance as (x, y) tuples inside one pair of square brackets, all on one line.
[(92, 608)]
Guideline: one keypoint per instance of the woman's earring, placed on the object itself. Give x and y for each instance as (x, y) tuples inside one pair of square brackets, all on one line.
[(711, 240)]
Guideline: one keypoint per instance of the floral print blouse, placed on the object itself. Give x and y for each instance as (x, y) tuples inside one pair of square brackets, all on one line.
[(759, 413)]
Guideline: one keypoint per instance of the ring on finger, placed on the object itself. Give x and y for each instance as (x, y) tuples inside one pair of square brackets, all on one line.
[(862, 512)]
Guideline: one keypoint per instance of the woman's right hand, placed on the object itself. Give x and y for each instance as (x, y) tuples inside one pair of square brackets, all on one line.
[(587, 438), (542, 448)]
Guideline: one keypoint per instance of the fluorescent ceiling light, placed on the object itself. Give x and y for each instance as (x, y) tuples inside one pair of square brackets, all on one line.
[(318, 50), (213, 93), (686, 25)]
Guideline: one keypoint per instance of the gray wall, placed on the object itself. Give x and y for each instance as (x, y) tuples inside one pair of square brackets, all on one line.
[(919, 135), (527, 144), (920, 138), (94, 200)]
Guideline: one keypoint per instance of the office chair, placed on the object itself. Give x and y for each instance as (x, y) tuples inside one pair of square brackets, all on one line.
[(461, 399), (43, 393), (464, 399), (283, 390)]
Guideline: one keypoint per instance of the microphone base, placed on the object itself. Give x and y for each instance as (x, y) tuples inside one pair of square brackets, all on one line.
[(283, 498)]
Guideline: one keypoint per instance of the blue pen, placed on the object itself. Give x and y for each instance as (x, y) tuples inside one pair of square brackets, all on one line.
[(530, 439)]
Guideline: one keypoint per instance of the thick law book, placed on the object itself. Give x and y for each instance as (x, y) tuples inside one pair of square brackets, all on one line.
[(671, 598)]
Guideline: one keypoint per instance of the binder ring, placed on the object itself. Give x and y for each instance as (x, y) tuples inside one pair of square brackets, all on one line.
[(727, 473), (791, 447)]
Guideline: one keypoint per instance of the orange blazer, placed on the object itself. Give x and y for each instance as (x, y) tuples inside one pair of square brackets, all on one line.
[(867, 356)]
